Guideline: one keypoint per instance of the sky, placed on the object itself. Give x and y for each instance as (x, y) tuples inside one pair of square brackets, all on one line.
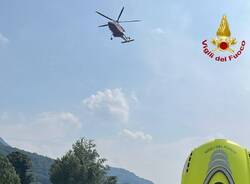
[(146, 104)]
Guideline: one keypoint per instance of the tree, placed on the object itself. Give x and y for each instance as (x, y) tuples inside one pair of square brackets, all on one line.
[(81, 165), (7, 172), (111, 180), (22, 165)]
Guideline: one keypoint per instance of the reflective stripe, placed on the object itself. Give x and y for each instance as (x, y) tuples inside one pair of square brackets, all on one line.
[(216, 170), (219, 163)]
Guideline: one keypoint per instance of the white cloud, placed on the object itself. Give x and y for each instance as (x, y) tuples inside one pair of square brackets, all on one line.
[(137, 135), (3, 40), (59, 118), (110, 101)]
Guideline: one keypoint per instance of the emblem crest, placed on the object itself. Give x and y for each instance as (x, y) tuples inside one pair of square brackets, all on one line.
[(223, 43)]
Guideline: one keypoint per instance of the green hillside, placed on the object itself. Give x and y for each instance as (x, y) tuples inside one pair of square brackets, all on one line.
[(41, 165), (127, 177)]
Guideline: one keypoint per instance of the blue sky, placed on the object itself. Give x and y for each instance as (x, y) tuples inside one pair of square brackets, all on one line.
[(147, 104)]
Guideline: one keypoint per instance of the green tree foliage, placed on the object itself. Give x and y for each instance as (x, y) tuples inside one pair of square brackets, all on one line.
[(81, 165), (22, 165), (111, 180), (7, 172)]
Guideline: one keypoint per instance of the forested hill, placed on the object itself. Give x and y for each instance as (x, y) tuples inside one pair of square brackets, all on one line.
[(41, 165), (127, 177)]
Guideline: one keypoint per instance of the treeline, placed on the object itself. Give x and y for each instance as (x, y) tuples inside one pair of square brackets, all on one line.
[(15, 169), (80, 165)]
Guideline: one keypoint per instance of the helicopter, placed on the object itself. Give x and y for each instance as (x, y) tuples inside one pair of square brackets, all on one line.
[(116, 28)]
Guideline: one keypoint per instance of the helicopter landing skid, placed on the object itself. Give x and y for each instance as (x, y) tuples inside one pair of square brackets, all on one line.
[(127, 41)]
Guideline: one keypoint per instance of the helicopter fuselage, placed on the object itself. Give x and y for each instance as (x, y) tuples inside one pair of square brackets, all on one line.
[(116, 29)]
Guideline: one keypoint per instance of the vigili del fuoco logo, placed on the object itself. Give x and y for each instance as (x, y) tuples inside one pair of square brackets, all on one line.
[(223, 43)]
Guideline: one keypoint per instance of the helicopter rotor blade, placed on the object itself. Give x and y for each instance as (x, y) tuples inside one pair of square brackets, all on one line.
[(120, 15), (126, 21), (104, 25), (104, 16)]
